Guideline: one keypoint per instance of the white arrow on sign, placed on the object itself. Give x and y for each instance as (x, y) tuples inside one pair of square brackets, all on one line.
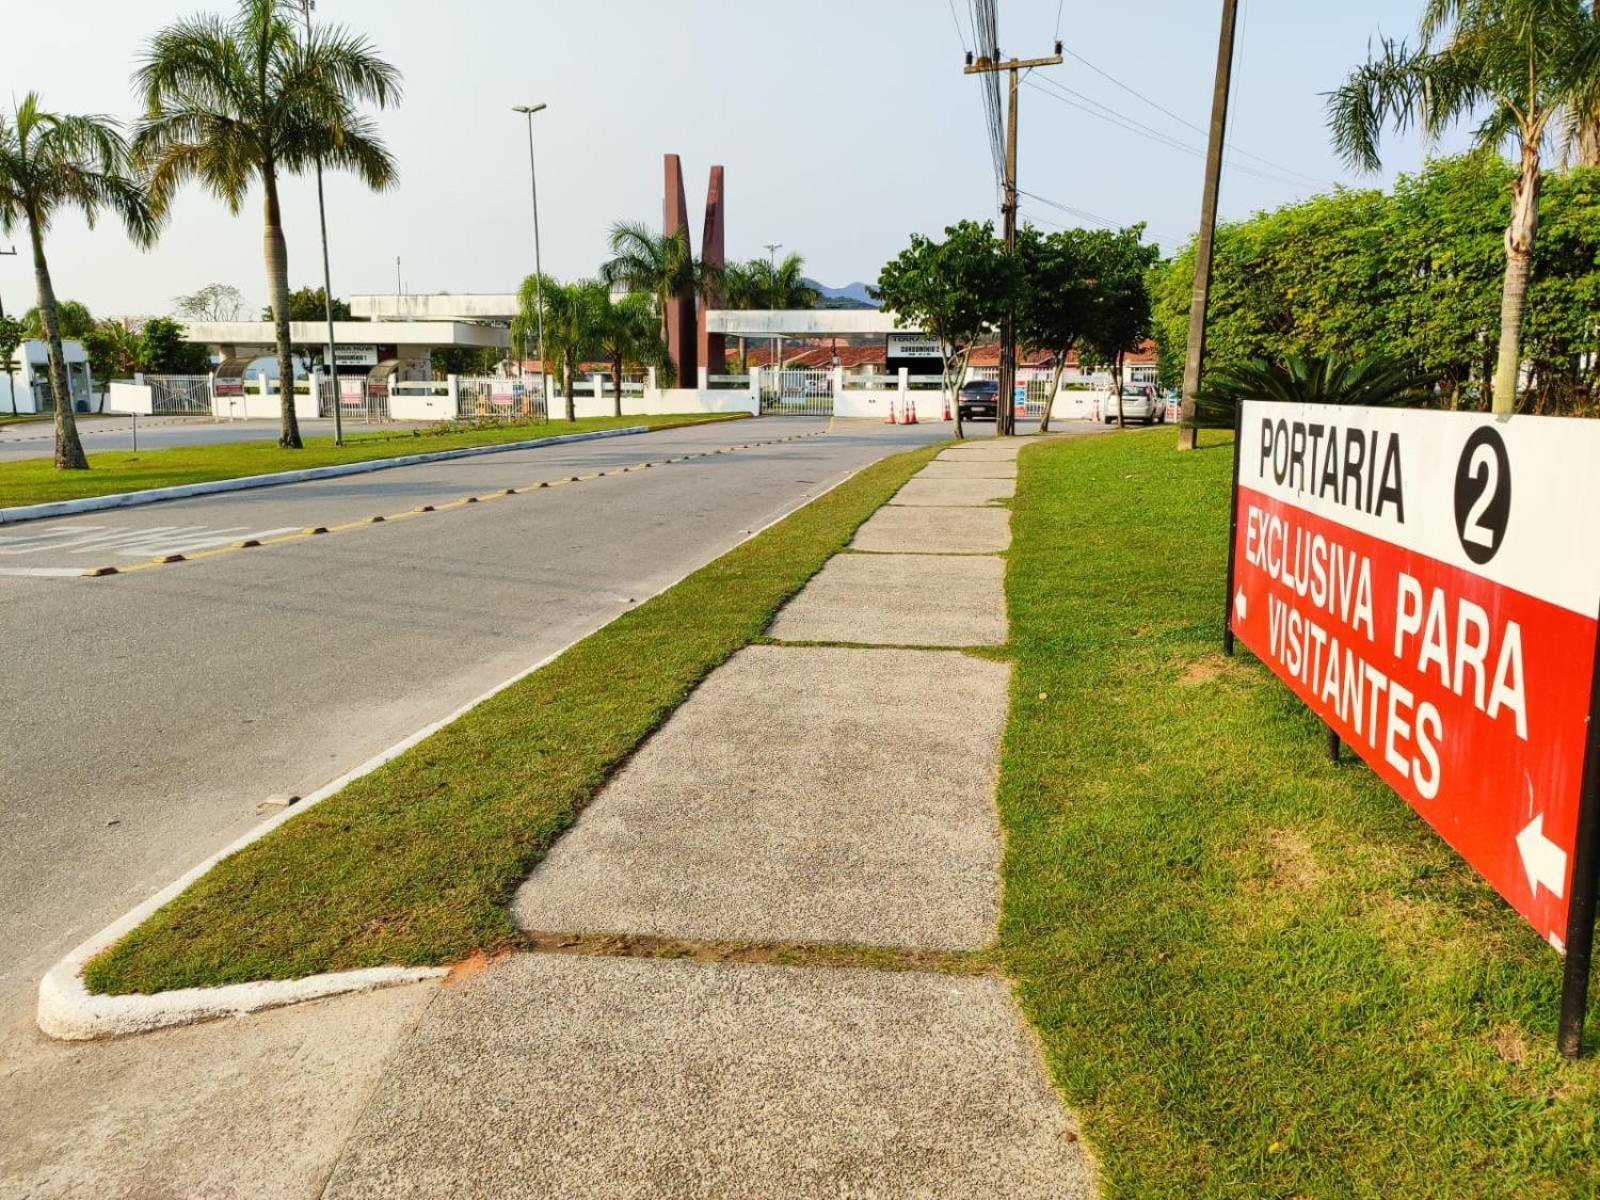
[(1239, 604), (1543, 860)]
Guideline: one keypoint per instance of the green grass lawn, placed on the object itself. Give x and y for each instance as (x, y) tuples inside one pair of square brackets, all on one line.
[(36, 481), (1255, 973), (415, 863)]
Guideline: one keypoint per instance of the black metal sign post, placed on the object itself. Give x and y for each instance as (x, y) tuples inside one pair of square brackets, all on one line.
[(1585, 878), (1233, 531)]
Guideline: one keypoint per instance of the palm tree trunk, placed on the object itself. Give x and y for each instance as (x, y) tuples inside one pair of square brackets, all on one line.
[(566, 387), (1520, 234), (277, 255), (616, 382), (69, 449)]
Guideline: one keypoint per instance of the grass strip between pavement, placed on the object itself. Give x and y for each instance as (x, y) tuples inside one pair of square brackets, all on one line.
[(1254, 973), (36, 480), (415, 863)]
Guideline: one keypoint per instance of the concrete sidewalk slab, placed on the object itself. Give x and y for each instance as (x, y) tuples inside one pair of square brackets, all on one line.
[(816, 794), (997, 468), (981, 452), (954, 493), (551, 1075), (253, 1109), (913, 530), (884, 600)]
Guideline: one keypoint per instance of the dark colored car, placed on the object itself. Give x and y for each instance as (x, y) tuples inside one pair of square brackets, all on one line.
[(976, 400)]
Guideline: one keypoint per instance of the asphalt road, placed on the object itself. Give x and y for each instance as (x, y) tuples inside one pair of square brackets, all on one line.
[(36, 439), (150, 714)]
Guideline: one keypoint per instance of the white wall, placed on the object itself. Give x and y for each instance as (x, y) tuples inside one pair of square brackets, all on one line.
[(421, 405)]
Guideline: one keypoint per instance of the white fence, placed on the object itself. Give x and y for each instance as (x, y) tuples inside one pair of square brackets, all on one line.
[(792, 392)]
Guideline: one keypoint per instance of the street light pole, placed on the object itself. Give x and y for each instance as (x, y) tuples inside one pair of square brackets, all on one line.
[(327, 275), (528, 110), (777, 338)]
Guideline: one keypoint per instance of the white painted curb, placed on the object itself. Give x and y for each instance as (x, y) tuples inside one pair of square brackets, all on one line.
[(64, 508), (69, 1012)]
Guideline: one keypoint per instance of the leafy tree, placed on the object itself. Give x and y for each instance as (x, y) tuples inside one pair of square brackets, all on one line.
[(113, 351), (955, 290), (1528, 66), (233, 102), (463, 360), (1056, 273), (165, 350), (214, 302), (310, 304), (73, 317), (1374, 382), (1414, 277), (626, 333), (1119, 316), (11, 336), (49, 161)]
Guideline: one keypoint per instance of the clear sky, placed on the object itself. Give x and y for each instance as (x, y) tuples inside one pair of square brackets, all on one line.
[(843, 126)]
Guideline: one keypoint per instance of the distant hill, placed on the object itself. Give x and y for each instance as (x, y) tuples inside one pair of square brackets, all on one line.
[(851, 295)]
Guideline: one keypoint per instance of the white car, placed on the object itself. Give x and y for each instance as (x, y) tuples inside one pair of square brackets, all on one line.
[(1139, 403)]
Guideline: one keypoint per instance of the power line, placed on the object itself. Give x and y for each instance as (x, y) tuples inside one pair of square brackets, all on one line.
[(986, 41), (1096, 218), (1112, 116), (1188, 124)]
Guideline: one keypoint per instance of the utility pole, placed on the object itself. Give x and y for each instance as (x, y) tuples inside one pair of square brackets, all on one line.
[(1005, 413), (1199, 300), (327, 276)]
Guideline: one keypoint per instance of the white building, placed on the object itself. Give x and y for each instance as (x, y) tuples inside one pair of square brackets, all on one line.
[(27, 389)]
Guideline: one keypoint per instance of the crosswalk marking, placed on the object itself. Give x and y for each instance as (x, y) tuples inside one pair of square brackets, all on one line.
[(148, 542)]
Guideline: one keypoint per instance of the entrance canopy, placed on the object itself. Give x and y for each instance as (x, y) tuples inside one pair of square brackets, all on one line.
[(801, 322)]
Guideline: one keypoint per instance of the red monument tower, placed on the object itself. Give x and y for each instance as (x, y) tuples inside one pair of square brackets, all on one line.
[(681, 339), (713, 351)]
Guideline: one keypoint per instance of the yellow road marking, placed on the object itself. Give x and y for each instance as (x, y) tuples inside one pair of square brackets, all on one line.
[(381, 518)]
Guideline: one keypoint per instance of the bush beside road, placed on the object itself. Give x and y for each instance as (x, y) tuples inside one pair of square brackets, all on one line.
[(36, 481), (1255, 973), (416, 862)]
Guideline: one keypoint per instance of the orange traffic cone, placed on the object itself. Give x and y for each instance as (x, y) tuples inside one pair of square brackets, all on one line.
[(892, 420), (946, 397), (911, 412)]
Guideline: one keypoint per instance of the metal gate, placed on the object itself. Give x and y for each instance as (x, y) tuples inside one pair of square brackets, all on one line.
[(179, 395), (481, 398), (358, 399), (797, 393)]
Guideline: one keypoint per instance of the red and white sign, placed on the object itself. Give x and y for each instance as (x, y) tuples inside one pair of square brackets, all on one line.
[(1429, 584)]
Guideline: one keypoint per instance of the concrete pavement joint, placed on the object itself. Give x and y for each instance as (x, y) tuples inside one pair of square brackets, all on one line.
[(821, 955), (311, 530)]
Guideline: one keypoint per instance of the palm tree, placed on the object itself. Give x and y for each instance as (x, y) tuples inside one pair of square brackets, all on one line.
[(1373, 382), (571, 325), (231, 102), (782, 284), (1528, 66), (736, 289), (626, 332), (661, 265), (48, 162)]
